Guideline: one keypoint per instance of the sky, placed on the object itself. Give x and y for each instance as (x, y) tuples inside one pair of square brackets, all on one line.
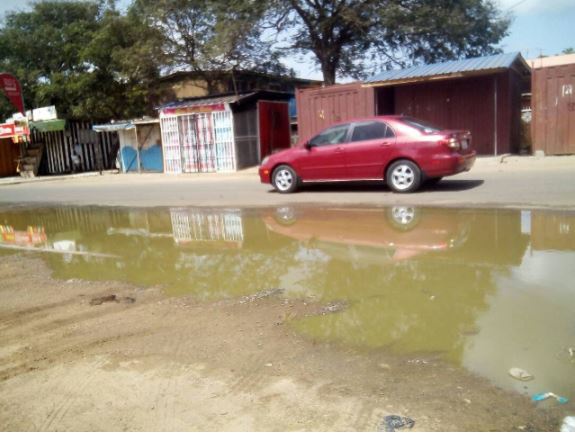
[(539, 27)]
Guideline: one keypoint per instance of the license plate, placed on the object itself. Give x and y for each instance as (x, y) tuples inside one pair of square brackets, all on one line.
[(464, 144)]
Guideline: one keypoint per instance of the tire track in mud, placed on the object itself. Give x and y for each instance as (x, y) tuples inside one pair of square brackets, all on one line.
[(63, 406), (74, 349), (165, 400), (252, 378)]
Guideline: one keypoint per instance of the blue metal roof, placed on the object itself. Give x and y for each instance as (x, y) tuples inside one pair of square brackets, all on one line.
[(485, 63)]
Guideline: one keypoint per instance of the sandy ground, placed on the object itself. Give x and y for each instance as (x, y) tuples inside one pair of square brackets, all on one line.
[(174, 364)]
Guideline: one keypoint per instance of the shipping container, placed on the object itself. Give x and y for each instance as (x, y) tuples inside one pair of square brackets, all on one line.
[(488, 106), (318, 108), (482, 95)]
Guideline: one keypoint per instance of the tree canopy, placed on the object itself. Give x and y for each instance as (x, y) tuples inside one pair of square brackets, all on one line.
[(354, 37), (80, 57), (93, 61)]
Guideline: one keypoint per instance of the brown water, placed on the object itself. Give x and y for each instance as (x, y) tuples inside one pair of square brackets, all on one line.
[(484, 289)]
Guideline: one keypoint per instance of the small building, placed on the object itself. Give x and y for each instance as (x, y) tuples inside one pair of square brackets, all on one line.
[(553, 104), (193, 84), (140, 144), (223, 133), (480, 94)]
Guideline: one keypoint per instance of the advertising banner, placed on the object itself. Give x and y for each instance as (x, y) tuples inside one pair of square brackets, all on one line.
[(11, 87)]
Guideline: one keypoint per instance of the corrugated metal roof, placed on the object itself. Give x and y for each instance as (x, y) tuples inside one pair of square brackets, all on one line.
[(116, 126), (194, 102), (494, 62)]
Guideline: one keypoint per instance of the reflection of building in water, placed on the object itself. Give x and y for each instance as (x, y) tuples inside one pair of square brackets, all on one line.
[(553, 230), (192, 225), (32, 236)]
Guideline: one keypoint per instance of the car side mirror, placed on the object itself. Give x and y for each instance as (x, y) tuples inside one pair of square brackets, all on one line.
[(309, 145)]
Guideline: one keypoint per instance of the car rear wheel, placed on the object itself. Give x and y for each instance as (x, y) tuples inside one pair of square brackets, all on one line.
[(284, 179), (403, 176)]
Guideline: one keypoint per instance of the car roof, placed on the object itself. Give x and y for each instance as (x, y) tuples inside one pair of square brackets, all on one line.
[(370, 118)]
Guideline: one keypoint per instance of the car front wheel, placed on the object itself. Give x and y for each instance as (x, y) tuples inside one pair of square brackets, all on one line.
[(284, 179), (403, 176)]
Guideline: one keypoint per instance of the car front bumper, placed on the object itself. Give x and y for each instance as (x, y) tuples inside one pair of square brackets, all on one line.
[(265, 174)]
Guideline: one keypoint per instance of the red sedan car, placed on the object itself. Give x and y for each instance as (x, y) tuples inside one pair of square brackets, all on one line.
[(402, 151)]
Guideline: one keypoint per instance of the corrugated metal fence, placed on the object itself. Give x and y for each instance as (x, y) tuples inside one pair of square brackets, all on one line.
[(78, 148)]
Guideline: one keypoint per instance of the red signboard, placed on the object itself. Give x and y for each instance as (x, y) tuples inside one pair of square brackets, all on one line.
[(11, 87), (11, 131)]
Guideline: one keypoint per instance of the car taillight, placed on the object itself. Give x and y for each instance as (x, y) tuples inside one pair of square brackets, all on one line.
[(451, 143)]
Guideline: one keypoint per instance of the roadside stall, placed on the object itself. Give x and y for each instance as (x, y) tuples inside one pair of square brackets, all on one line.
[(223, 133), (140, 144)]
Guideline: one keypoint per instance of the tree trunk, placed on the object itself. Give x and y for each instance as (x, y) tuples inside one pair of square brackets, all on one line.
[(328, 71)]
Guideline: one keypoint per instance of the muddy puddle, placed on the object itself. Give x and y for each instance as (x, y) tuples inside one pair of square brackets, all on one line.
[(487, 290)]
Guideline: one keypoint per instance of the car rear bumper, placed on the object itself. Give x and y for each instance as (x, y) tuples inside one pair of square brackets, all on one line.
[(450, 164)]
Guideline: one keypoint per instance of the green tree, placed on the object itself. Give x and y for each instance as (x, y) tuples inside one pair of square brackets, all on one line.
[(83, 57), (349, 36), (210, 36), (568, 50)]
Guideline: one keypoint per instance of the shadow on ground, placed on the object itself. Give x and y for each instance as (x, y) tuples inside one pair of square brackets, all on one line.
[(370, 187)]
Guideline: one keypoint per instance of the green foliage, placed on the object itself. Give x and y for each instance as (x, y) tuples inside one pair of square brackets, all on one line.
[(568, 50), (350, 36), (210, 36), (83, 57), (94, 62)]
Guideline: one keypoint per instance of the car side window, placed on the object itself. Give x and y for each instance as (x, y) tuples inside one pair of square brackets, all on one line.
[(371, 131), (331, 136)]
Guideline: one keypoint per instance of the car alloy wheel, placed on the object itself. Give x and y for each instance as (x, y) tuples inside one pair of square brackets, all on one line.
[(403, 176), (285, 179)]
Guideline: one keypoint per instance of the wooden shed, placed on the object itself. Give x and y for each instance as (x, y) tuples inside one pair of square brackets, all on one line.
[(223, 133), (553, 104), (481, 94), (73, 146)]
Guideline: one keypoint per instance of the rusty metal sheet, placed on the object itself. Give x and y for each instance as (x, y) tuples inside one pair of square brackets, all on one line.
[(468, 103), (553, 105), (320, 107)]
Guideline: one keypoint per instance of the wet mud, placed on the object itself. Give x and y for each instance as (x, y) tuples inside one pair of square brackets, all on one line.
[(281, 320)]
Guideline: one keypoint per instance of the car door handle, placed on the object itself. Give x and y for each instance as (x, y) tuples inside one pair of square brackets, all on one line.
[(339, 149), (385, 144)]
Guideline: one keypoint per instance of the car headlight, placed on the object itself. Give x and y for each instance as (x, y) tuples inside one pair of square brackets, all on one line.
[(265, 160)]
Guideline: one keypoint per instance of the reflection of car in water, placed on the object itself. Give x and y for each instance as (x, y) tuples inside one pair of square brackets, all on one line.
[(403, 231)]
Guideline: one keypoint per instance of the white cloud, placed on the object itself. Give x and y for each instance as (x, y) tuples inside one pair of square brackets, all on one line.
[(531, 6)]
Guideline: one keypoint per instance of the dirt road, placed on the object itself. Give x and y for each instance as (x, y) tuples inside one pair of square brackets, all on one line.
[(73, 361)]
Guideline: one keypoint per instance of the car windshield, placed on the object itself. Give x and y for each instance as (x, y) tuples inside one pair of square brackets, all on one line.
[(423, 126)]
